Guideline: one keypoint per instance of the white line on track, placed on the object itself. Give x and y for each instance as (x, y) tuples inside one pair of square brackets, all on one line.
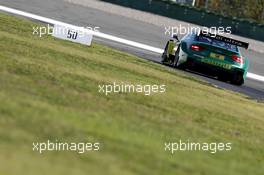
[(255, 76), (100, 34)]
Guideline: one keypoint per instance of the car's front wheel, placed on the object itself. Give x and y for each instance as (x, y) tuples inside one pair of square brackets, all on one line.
[(175, 63), (164, 54)]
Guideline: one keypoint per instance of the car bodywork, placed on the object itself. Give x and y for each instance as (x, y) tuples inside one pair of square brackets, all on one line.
[(213, 53)]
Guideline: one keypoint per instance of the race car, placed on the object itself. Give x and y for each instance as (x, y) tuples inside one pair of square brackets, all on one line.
[(216, 54)]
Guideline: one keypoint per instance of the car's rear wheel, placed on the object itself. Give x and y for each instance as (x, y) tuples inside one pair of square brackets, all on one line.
[(222, 77), (237, 78)]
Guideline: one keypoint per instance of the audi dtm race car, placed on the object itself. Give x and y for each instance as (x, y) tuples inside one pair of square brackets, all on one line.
[(214, 53)]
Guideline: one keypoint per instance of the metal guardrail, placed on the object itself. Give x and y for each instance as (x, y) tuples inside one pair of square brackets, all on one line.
[(196, 16)]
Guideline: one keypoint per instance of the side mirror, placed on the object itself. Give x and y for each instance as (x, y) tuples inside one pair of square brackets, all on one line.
[(176, 37)]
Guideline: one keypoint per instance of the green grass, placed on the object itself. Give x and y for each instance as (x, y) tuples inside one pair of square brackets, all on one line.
[(49, 90)]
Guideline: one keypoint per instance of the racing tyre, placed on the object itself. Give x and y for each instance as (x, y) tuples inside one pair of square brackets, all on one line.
[(222, 78), (237, 79), (164, 55), (176, 58)]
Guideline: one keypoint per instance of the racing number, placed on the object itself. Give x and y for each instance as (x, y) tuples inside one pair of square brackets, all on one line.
[(72, 34)]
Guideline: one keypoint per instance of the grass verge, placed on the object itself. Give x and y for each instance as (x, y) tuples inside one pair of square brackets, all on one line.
[(49, 91)]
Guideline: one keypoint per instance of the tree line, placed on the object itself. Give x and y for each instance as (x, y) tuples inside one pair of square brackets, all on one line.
[(249, 9)]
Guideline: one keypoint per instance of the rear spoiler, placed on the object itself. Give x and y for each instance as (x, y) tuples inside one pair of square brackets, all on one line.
[(224, 39)]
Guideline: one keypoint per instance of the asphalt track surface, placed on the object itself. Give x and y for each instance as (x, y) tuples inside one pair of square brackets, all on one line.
[(134, 30)]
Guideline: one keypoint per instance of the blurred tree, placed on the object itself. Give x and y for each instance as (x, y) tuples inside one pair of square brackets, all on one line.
[(255, 10), (200, 3), (250, 9)]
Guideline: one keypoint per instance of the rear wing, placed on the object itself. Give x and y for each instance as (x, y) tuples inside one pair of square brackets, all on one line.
[(224, 39)]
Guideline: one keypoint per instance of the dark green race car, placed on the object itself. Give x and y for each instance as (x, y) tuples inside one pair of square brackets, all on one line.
[(213, 53)]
